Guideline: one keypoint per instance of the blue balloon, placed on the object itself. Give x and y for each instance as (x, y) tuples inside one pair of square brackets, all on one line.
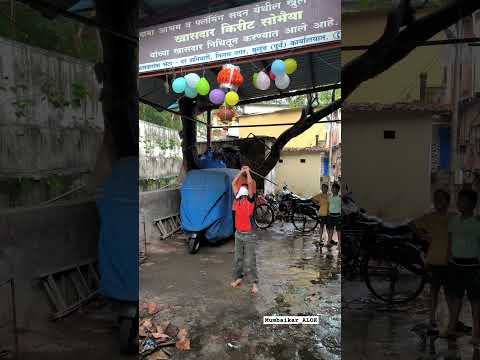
[(179, 85), (190, 93), (278, 68)]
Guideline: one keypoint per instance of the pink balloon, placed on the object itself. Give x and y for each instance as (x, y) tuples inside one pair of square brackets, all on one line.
[(216, 96)]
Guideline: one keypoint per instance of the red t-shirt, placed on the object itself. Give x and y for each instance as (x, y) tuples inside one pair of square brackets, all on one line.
[(243, 212)]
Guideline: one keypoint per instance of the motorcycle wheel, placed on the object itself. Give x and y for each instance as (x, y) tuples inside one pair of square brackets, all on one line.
[(263, 216), (193, 245), (305, 219)]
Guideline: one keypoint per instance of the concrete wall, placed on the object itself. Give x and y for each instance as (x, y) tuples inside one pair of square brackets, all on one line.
[(46, 125), (303, 179), (51, 123), (389, 178), (160, 151), (154, 205), (403, 78), (37, 240)]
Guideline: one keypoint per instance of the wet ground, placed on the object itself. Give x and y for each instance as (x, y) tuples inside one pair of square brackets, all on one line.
[(87, 334), (373, 330), (224, 323)]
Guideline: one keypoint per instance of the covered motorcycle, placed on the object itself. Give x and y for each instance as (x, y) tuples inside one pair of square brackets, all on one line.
[(206, 206)]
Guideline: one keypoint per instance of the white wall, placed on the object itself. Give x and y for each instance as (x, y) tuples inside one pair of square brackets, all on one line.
[(389, 178), (42, 131), (303, 179), (156, 161)]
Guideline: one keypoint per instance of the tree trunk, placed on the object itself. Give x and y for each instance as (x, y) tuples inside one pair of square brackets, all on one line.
[(189, 133), (120, 73)]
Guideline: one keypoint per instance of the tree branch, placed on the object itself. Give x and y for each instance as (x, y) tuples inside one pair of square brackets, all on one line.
[(304, 123), (383, 54), (394, 45)]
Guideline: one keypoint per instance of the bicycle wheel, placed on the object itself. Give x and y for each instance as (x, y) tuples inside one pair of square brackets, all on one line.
[(263, 216), (395, 273), (305, 219)]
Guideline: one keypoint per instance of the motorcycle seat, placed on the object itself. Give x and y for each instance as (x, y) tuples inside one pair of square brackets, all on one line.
[(395, 229)]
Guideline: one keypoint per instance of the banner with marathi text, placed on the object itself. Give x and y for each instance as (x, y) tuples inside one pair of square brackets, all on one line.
[(250, 30)]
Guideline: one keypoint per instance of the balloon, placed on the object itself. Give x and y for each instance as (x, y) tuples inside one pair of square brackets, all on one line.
[(255, 75), (192, 80), (203, 87), (290, 66), (231, 98), (190, 93), (216, 96), (271, 75), (263, 81), (282, 82), (278, 68), (179, 85)]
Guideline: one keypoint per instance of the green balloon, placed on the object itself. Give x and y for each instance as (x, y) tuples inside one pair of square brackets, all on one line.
[(203, 87), (255, 79)]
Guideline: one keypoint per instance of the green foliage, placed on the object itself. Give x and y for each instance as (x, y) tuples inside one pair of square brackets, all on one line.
[(60, 34), (79, 94), (21, 107), (324, 98), (56, 183), (155, 184), (53, 95), (164, 118)]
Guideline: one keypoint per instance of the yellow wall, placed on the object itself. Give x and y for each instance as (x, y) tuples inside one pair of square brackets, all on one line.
[(393, 182), (307, 139), (303, 179), (400, 80)]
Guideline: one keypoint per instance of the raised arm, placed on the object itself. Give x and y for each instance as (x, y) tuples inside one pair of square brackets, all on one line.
[(251, 188), (235, 180)]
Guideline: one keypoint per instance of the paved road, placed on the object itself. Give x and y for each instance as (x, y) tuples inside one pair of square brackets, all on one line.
[(194, 292), (371, 330)]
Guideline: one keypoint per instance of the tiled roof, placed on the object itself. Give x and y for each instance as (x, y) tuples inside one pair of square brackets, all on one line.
[(313, 149), (438, 109)]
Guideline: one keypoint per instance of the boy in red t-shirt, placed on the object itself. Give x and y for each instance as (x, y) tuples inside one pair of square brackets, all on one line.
[(243, 206)]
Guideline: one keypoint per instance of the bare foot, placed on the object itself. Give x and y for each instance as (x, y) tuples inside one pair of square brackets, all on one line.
[(254, 289), (236, 283)]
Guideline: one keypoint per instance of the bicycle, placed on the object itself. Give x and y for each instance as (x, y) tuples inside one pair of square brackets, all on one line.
[(287, 207), (390, 260)]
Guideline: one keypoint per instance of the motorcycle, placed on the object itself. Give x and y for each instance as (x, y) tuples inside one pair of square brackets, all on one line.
[(389, 257)]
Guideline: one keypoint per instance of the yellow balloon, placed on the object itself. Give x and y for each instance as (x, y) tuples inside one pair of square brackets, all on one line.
[(290, 66), (231, 98)]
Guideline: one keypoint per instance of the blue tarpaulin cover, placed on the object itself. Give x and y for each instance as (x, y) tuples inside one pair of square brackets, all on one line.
[(118, 244), (206, 203), (207, 161)]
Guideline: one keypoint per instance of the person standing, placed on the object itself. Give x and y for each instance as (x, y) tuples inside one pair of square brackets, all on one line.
[(245, 240), (464, 263), (322, 201), (433, 228), (334, 221)]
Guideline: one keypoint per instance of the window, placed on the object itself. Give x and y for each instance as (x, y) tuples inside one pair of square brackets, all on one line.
[(280, 161), (302, 160)]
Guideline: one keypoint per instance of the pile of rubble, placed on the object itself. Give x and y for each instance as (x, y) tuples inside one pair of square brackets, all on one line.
[(158, 339)]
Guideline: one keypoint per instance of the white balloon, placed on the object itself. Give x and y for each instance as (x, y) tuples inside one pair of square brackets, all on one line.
[(263, 81), (192, 80), (282, 82)]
